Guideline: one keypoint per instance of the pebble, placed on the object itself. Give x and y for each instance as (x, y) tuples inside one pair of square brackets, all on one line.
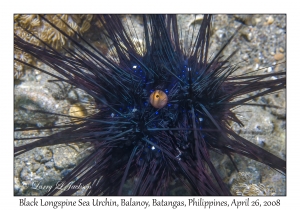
[(270, 69), (220, 33), (245, 56), (38, 77), (281, 50), (77, 110), (270, 20), (198, 21), (247, 34), (278, 56), (256, 60), (257, 20)]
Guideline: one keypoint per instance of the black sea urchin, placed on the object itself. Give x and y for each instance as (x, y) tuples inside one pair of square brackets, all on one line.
[(163, 105)]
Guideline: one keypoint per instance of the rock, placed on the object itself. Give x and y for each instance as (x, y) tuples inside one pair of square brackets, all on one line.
[(64, 157), (38, 77), (77, 110), (270, 20), (278, 56), (25, 174), (49, 164), (35, 167), (45, 155), (281, 50)]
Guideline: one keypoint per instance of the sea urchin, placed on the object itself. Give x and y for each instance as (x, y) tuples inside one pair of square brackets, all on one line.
[(163, 105)]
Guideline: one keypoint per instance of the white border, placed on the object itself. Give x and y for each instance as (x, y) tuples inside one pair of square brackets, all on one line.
[(8, 8)]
